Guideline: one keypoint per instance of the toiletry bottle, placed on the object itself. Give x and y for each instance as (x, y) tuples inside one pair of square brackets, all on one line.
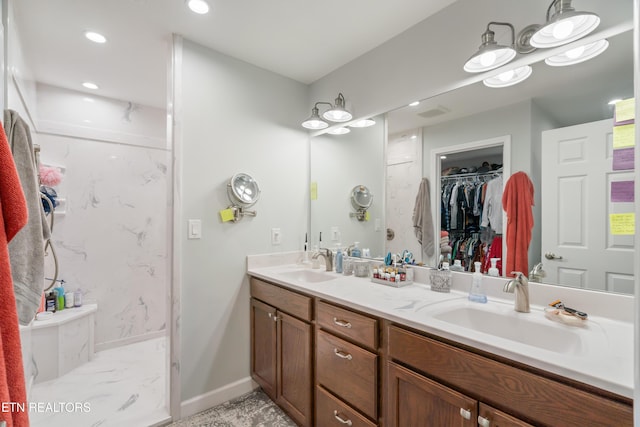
[(355, 252), (476, 294), (60, 297), (457, 265), (77, 298), (50, 302), (68, 300), (339, 258), (493, 271)]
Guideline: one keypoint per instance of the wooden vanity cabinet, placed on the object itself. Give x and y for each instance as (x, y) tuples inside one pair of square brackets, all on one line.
[(347, 366), (455, 385), (282, 348)]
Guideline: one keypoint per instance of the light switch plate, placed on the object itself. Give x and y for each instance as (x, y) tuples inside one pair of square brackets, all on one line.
[(276, 236), (335, 234), (195, 229)]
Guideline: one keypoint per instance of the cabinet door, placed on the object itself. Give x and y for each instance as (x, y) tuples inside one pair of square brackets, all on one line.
[(491, 417), (294, 368), (263, 346), (416, 401)]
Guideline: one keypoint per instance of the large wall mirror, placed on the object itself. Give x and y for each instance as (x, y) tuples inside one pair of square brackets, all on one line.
[(552, 98)]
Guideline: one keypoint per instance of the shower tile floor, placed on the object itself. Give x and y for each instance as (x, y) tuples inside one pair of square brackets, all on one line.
[(123, 386)]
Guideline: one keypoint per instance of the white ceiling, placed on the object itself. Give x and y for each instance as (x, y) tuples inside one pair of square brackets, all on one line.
[(300, 39)]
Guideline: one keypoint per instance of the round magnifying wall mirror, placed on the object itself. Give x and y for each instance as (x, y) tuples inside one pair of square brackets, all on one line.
[(361, 197), (243, 190)]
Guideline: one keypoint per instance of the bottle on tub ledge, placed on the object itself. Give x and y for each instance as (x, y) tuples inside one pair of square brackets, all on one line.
[(355, 251), (339, 258)]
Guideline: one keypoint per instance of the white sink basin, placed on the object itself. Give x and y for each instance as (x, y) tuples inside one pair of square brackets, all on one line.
[(525, 328), (309, 276)]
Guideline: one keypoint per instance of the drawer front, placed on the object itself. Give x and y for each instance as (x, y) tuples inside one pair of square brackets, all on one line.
[(348, 371), (332, 412), (524, 394), (357, 327), (296, 304)]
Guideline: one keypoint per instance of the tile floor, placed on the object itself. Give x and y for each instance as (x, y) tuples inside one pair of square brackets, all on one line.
[(124, 386), (253, 409)]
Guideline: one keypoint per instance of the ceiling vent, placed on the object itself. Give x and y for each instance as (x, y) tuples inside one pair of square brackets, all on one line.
[(437, 111)]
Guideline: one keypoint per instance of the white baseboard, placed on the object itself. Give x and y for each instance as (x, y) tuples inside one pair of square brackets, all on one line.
[(130, 340), (215, 397)]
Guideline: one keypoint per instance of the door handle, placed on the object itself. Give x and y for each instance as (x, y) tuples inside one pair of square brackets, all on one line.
[(551, 255)]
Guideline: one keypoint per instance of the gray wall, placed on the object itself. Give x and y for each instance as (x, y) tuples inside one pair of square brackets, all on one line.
[(236, 118)]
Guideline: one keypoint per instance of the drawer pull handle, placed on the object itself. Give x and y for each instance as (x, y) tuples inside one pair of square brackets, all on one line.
[(342, 323), (342, 354), (465, 413), (342, 420), (483, 422)]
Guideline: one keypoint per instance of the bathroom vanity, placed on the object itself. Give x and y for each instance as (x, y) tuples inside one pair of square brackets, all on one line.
[(333, 350)]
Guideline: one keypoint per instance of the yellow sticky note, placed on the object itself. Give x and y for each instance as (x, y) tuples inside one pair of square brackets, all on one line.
[(624, 136), (626, 110), (226, 215), (622, 224), (367, 216), (314, 191)]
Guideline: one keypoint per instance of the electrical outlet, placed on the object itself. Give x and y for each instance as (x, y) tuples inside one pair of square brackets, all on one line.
[(276, 236), (378, 225)]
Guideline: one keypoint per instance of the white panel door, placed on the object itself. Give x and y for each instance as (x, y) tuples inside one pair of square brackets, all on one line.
[(576, 199)]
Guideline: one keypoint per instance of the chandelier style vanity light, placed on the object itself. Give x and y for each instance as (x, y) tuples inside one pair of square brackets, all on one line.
[(563, 26)]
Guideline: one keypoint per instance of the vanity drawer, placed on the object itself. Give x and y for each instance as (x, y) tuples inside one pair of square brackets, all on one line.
[(348, 371), (357, 327), (332, 412), (296, 304), (523, 393)]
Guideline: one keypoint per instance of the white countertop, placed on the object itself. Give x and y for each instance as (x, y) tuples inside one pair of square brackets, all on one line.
[(600, 352)]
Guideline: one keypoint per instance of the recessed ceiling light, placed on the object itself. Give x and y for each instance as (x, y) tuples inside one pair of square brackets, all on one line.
[(198, 6), (443, 157), (95, 37), (414, 103), (90, 85), (413, 137)]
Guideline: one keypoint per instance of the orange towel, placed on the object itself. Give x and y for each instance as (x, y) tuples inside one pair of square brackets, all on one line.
[(13, 216), (517, 202)]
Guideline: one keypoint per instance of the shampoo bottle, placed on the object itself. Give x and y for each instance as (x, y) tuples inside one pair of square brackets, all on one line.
[(476, 294), (493, 271)]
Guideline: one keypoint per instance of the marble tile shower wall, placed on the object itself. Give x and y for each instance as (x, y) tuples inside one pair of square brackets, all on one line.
[(111, 240)]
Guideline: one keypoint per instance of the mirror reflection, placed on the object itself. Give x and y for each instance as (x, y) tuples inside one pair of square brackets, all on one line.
[(526, 114)]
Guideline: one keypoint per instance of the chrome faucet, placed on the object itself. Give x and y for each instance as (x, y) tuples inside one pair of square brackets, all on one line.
[(519, 285), (328, 257), (537, 273)]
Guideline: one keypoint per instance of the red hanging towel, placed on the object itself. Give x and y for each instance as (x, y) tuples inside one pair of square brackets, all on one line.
[(13, 216), (517, 202)]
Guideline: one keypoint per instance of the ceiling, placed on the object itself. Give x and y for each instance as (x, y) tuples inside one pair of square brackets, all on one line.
[(300, 39)]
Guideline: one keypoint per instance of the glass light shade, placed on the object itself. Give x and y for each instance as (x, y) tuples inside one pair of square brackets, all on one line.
[(363, 123), (314, 122), (563, 28), (578, 54), (337, 114), (200, 7), (339, 131), (509, 78), (95, 37), (489, 57)]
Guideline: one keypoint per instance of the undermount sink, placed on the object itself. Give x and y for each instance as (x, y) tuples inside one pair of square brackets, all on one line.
[(309, 276), (515, 327)]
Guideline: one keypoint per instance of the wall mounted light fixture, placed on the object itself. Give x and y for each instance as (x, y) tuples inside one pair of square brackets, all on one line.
[(564, 26), (336, 113)]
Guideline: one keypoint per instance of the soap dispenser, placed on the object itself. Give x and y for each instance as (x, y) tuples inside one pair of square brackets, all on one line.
[(355, 251), (493, 271), (476, 294)]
